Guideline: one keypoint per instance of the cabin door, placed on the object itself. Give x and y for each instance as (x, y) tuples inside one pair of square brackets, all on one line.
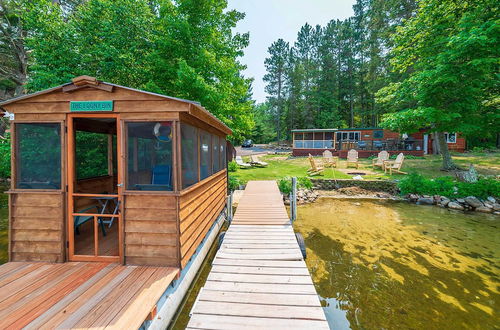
[(95, 188)]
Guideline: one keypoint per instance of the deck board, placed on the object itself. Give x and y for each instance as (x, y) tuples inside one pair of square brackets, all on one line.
[(258, 277), (80, 295)]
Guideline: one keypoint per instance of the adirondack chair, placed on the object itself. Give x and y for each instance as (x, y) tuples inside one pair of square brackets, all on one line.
[(328, 160), (395, 165), (352, 158), (254, 160), (381, 158), (314, 170), (241, 163)]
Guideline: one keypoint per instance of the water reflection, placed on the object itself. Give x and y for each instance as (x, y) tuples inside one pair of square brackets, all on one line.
[(396, 265)]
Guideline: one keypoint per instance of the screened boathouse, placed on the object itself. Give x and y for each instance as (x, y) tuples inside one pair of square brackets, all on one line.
[(102, 172)]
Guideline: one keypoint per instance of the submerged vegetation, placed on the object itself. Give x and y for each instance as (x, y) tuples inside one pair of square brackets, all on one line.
[(396, 265)]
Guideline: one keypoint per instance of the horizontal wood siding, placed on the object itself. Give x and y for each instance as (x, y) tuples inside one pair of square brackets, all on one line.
[(198, 209), (151, 230), (37, 227)]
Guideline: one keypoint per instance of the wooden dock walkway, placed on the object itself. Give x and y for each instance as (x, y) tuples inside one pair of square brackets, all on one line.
[(258, 277), (83, 295)]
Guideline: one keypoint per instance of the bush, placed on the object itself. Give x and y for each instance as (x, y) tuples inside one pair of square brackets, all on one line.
[(407, 157), (5, 157), (446, 186), (285, 184), (233, 182), (232, 166)]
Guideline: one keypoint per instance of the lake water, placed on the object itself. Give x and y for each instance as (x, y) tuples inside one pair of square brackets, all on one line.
[(390, 265)]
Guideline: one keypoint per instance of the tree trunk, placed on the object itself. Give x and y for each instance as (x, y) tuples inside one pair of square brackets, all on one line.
[(435, 144), (448, 164)]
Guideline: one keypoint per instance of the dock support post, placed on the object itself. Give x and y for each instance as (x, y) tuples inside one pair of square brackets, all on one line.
[(293, 199), (229, 207)]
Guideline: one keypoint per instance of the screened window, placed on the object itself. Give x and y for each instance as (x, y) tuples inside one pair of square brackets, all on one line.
[(222, 143), (189, 147), (308, 136), (299, 136), (38, 156), (215, 154), (149, 156), (378, 134), (205, 155)]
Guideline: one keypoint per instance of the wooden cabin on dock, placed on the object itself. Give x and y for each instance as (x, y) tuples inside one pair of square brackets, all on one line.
[(106, 173)]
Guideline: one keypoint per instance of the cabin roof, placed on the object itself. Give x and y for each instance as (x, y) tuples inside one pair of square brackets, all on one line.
[(87, 81)]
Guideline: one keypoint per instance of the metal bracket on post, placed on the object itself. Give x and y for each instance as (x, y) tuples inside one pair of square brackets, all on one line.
[(293, 199)]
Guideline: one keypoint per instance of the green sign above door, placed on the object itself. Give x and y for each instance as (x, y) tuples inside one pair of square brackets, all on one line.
[(91, 106)]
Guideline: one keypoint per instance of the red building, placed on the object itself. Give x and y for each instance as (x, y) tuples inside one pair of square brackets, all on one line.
[(367, 141)]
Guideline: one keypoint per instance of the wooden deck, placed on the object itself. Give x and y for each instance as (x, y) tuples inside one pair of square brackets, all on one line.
[(259, 278), (79, 294)]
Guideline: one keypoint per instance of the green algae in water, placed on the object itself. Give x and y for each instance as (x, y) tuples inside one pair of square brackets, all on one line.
[(4, 225), (386, 265)]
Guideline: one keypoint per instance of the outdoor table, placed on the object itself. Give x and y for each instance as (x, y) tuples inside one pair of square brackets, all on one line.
[(103, 202)]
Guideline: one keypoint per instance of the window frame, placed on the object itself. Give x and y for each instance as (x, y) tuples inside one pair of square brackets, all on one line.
[(175, 155), (447, 137), (15, 153)]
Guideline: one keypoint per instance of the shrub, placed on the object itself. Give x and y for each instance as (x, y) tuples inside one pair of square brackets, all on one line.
[(232, 166), (446, 186), (285, 184), (233, 182), (407, 157), (304, 182), (5, 157)]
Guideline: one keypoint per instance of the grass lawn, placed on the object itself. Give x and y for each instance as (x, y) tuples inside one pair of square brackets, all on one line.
[(281, 166)]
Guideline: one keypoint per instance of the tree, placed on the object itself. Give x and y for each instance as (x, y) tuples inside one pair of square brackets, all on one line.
[(182, 48), (452, 50), (275, 78)]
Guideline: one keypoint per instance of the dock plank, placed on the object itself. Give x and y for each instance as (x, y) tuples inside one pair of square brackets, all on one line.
[(259, 278)]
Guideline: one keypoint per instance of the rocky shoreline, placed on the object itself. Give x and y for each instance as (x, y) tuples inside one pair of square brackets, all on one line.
[(470, 203), (490, 205)]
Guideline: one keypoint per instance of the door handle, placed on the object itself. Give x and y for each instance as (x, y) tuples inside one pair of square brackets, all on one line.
[(120, 185)]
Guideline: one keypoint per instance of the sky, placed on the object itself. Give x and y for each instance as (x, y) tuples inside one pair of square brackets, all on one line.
[(269, 20)]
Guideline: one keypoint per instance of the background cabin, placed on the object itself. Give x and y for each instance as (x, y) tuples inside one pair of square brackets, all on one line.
[(367, 141), (102, 172)]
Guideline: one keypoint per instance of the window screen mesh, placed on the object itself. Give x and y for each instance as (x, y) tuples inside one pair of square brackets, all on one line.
[(38, 156)]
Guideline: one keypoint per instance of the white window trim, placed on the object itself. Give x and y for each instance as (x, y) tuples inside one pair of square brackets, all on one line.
[(447, 137)]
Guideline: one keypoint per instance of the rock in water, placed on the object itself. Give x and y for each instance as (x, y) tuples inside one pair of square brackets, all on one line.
[(473, 201), (425, 201), (455, 206), (484, 209)]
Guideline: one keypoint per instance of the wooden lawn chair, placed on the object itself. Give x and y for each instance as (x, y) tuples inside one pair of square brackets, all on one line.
[(239, 161), (352, 158), (381, 158), (395, 165), (254, 160), (314, 170), (328, 160)]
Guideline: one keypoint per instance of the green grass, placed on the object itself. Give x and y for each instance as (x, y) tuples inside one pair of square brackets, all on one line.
[(281, 166)]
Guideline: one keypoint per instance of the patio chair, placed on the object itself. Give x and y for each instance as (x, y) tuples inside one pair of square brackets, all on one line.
[(328, 160), (362, 145), (254, 160), (239, 161), (352, 158), (381, 158), (314, 170), (395, 165), (378, 145)]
